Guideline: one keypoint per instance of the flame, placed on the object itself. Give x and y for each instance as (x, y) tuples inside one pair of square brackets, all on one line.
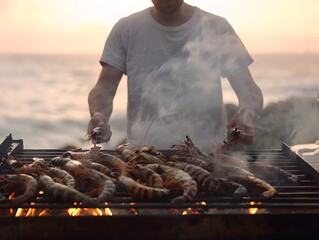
[(26, 212), (253, 210), (45, 212), (10, 198), (31, 211), (190, 211), (89, 211), (133, 210), (201, 203), (85, 212), (107, 212)]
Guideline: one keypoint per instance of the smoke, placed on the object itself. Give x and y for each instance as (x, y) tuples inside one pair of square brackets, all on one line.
[(184, 95), (305, 119)]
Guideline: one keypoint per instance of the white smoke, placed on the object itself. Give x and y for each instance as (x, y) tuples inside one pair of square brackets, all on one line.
[(179, 97)]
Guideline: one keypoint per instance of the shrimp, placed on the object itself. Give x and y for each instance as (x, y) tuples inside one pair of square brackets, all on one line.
[(190, 150), (128, 152), (20, 183), (255, 186), (149, 158), (265, 171), (82, 175), (96, 159), (139, 191), (115, 164), (38, 166), (74, 167), (233, 136), (62, 192), (132, 155), (207, 182), (65, 177), (77, 154), (100, 167), (97, 135), (146, 175), (177, 181), (203, 178), (194, 161), (238, 190), (151, 150), (107, 189)]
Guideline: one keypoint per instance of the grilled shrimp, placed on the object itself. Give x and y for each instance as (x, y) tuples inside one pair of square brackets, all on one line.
[(207, 182), (177, 181), (233, 136), (194, 161), (100, 168), (97, 135), (115, 164), (152, 154), (77, 154), (82, 175), (144, 174), (269, 172), (63, 176), (62, 192), (68, 164), (203, 178), (255, 186), (20, 183), (38, 163), (98, 160), (259, 169), (139, 191), (146, 156), (190, 150), (236, 189), (38, 166), (226, 170), (128, 152), (107, 186)]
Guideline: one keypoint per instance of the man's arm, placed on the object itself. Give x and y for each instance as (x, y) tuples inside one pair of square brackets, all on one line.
[(101, 100), (250, 103)]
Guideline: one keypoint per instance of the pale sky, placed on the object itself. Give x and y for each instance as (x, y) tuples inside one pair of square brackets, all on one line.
[(81, 26)]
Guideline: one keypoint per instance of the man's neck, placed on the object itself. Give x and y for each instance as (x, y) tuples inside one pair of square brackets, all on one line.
[(182, 15)]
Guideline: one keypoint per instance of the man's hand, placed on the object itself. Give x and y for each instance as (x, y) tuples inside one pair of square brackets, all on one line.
[(98, 131), (244, 120)]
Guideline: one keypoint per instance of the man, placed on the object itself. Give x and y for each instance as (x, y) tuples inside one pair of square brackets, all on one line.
[(174, 56)]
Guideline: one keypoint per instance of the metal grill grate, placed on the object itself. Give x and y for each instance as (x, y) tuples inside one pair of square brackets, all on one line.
[(293, 213), (293, 197)]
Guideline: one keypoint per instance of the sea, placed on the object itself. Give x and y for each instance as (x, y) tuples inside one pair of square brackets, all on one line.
[(44, 97)]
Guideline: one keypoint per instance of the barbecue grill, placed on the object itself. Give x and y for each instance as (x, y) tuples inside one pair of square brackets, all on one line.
[(292, 214)]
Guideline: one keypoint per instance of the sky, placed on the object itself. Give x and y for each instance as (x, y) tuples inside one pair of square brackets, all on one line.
[(81, 26)]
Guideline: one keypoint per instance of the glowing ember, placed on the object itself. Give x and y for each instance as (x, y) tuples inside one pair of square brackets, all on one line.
[(107, 212), (85, 212), (133, 211), (253, 210), (89, 211), (190, 211), (45, 212)]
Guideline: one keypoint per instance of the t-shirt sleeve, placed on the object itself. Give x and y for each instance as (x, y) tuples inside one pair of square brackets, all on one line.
[(114, 52), (233, 54)]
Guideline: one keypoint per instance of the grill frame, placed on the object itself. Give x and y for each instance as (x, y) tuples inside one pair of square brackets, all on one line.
[(290, 214)]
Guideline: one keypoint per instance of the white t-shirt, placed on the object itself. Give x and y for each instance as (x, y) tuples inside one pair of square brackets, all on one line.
[(174, 76)]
